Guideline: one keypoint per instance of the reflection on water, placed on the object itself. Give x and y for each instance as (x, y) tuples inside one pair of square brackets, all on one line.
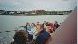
[(11, 22)]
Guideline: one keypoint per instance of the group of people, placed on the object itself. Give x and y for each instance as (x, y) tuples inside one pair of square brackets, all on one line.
[(39, 32), (36, 28)]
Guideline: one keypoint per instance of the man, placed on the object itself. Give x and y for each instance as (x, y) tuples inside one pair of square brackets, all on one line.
[(49, 27), (42, 36), (22, 37)]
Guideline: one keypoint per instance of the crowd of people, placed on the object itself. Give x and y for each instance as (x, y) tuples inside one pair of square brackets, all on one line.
[(38, 32), (36, 28)]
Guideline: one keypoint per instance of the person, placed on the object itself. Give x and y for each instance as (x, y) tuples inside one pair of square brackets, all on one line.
[(49, 27), (34, 31), (38, 27), (42, 36), (44, 25), (20, 37), (56, 25), (28, 28)]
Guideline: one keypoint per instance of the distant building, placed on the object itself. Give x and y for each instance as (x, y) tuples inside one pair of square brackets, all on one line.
[(11, 12), (2, 12), (34, 12), (40, 12), (18, 12)]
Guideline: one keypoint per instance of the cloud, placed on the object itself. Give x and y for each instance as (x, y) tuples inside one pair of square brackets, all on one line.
[(37, 4)]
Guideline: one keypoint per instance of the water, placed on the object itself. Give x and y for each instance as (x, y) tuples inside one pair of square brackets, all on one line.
[(11, 22)]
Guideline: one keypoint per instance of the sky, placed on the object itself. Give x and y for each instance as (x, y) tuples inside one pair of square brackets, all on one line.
[(27, 5)]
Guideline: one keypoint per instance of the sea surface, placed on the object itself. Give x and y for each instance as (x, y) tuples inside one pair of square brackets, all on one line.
[(9, 23)]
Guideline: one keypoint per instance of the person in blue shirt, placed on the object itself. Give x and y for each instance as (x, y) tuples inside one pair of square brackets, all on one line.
[(42, 36), (28, 27)]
